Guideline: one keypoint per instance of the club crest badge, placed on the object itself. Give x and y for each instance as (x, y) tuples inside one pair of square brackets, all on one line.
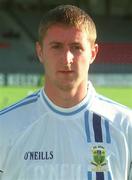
[(99, 162)]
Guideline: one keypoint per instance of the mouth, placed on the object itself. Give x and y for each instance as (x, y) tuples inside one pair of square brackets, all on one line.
[(66, 72)]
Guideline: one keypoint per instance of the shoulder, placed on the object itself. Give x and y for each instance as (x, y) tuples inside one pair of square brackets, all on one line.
[(111, 103), (111, 109), (21, 105), (19, 115), (108, 108)]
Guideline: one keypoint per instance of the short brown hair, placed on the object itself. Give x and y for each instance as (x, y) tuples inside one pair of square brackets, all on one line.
[(68, 15)]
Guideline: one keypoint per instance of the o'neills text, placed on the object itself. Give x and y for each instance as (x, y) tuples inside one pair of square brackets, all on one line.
[(38, 155)]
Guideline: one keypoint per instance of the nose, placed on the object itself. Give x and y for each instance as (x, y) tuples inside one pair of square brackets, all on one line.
[(68, 57)]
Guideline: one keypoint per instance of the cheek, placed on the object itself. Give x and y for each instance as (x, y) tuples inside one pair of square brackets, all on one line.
[(85, 60), (82, 67), (83, 64), (45, 55), (49, 66)]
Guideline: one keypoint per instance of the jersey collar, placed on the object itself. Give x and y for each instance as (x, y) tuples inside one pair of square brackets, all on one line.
[(85, 103)]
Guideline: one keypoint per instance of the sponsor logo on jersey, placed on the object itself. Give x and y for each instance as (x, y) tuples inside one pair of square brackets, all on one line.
[(99, 162), (38, 155)]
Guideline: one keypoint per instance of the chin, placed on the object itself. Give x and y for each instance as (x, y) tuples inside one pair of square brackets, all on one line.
[(66, 86)]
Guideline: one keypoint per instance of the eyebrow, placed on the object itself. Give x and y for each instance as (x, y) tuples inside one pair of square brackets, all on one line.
[(54, 42), (75, 43), (57, 42)]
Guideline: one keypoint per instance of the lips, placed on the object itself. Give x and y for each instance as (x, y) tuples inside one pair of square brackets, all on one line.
[(65, 72)]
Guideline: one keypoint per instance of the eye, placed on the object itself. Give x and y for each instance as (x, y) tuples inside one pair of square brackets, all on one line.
[(56, 46), (76, 47)]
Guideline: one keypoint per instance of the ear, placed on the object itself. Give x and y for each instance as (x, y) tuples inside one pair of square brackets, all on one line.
[(39, 51), (94, 51)]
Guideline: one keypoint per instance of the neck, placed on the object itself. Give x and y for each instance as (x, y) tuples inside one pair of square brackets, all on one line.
[(66, 98)]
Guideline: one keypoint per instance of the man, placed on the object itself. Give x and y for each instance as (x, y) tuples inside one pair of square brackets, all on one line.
[(66, 131)]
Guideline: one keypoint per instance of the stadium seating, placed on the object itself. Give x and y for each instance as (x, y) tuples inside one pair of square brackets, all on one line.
[(17, 53), (19, 32)]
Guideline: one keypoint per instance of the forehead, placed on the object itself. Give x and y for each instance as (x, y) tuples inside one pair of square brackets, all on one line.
[(65, 33)]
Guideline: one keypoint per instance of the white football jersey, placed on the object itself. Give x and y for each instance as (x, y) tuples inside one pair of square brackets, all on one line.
[(90, 141)]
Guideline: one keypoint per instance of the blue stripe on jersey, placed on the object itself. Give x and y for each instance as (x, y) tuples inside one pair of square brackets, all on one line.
[(103, 98), (28, 100), (99, 175), (97, 128), (64, 113), (89, 175), (87, 126), (109, 176), (33, 95), (108, 138)]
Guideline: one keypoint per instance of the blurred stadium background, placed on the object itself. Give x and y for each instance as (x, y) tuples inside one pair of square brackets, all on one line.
[(20, 71)]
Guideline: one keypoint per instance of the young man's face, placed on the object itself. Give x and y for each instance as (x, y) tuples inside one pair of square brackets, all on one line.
[(66, 54)]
